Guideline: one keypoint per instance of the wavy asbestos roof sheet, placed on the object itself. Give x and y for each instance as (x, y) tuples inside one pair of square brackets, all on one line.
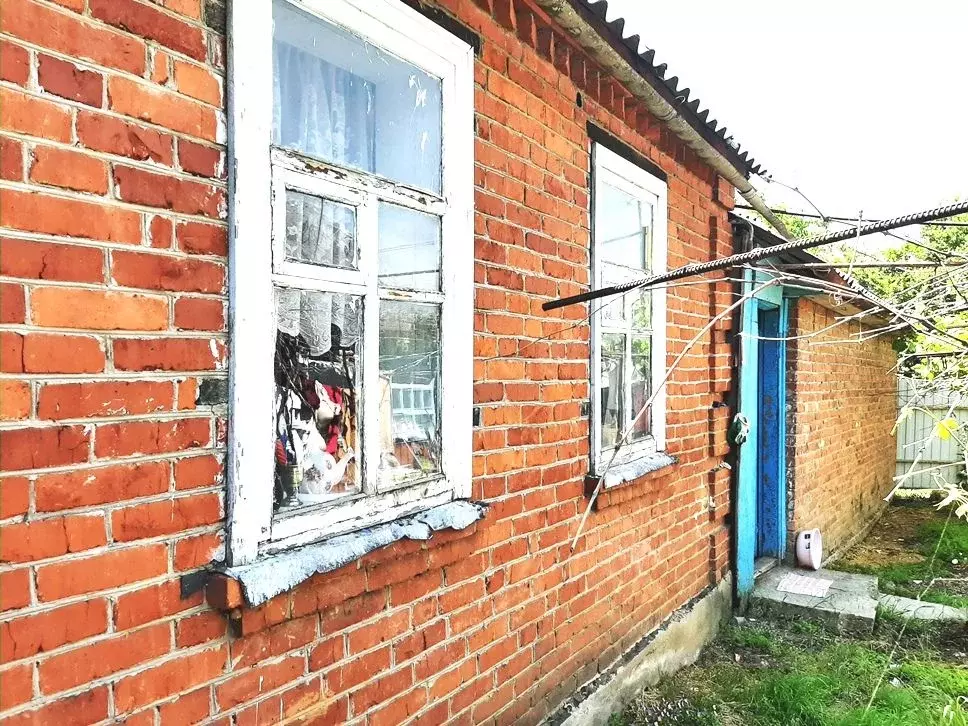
[(655, 74)]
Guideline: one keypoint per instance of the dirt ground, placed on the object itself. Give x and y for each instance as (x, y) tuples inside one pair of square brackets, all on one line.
[(894, 539)]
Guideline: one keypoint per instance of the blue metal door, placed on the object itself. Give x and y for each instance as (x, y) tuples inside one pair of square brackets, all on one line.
[(770, 480), (761, 499)]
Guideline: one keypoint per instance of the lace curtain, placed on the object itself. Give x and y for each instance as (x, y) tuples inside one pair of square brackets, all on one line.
[(326, 112)]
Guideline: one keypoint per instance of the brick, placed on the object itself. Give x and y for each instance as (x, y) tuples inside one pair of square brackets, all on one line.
[(163, 272), (189, 708), (14, 496), (36, 448), (67, 80), (55, 492), (161, 232), (102, 658), (158, 518), (69, 169), (34, 116), (273, 612), (114, 398), (198, 471), (382, 689), (14, 589), (34, 212), (199, 629), (359, 671), (11, 159), (100, 572), (91, 706), (174, 676), (382, 630), (44, 631), (48, 261), (14, 63), (188, 8), (37, 540), (72, 36), (302, 697), (167, 192), (152, 603), (402, 710), (203, 239), (249, 685), (16, 686), (187, 394), (148, 22), (101, 132), (13, 306), (197, 82), (149, 103), (151, 437), (200, 160), (168, 354), (97, 309), (194, 552), (192, 313), (44, 353)]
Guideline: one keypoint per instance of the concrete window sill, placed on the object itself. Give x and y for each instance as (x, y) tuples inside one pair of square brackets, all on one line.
[(629, 472), (251, 585)]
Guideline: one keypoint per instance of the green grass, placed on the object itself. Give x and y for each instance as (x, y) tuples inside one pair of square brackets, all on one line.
[(798, 675), (910, 579)]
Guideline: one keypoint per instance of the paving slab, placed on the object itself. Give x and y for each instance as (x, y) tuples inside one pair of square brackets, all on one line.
[(921, 610), (849, 605)]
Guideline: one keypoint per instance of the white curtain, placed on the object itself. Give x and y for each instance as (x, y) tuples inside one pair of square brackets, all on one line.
[(326, 112)]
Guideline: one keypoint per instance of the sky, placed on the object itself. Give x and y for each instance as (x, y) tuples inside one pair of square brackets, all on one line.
[(862, 104)]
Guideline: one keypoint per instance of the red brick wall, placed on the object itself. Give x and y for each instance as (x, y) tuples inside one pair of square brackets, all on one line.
[(114, 355), (841, 411)]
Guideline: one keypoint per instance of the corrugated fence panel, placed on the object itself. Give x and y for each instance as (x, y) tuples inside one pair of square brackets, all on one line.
[(915, 433)]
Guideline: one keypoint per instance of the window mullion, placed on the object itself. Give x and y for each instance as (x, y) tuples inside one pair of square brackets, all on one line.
[(370, 420)]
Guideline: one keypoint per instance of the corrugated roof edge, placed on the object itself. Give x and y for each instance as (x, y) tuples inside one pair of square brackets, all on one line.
[(594, 13)]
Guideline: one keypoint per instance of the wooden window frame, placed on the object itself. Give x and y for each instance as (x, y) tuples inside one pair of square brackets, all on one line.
[(633, 179), (258, 176)]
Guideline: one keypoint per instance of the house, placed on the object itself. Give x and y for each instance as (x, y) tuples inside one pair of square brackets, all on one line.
[(824, 404), (286, 435)]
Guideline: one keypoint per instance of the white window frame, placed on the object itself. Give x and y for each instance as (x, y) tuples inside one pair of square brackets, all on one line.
[(258, 176), (623, 174)]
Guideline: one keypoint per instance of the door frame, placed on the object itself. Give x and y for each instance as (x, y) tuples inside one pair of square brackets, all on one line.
[(748, 495)]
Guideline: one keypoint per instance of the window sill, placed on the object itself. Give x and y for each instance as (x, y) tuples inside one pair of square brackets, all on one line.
[(629, 472), (254, 584)]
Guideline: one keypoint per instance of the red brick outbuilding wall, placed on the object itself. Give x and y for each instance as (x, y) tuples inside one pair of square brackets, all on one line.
[(842, 406), (114, 362)]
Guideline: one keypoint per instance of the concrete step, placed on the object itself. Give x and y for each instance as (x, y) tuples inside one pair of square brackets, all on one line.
[(921, 610), (848, 603)]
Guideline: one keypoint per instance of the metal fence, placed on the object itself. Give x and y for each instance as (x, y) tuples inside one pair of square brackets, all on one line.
[(917, 431)]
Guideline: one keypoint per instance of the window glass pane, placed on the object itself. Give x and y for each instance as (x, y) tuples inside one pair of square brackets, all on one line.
[(317, 378), (409, 391), (612, 388), (343, 100), (640, 304), (320, 231), (622, 224), (641, 384), (409, 248)]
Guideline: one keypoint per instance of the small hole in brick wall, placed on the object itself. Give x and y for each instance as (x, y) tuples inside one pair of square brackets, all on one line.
[(586, 408), (579, 101), (476, 416)]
